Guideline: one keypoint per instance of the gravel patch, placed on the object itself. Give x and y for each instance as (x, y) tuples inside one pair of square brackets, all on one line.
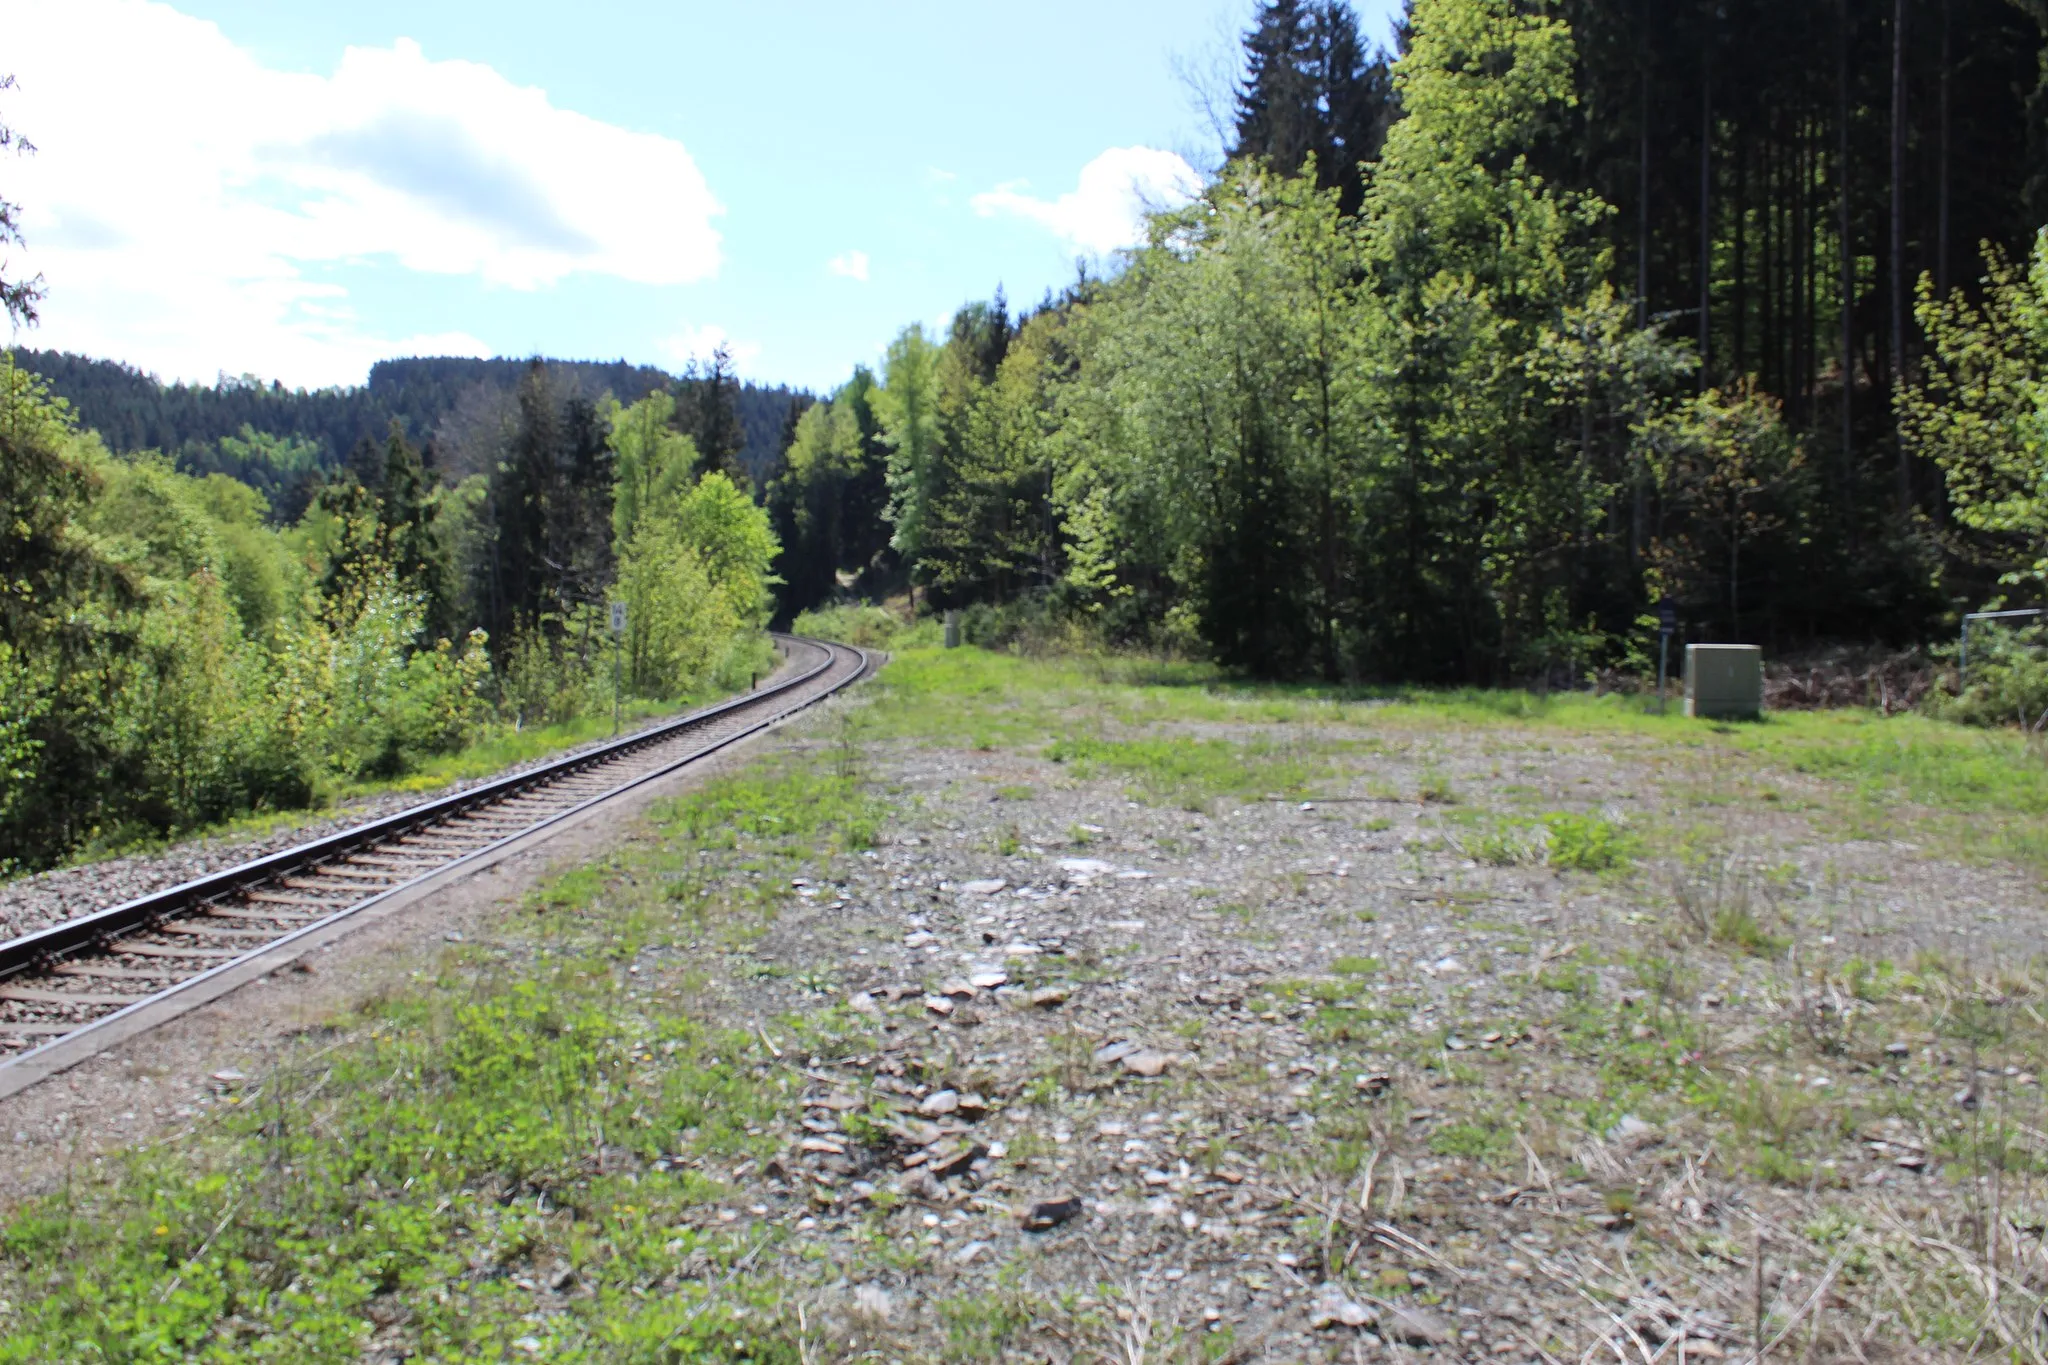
[(1302, 1079)]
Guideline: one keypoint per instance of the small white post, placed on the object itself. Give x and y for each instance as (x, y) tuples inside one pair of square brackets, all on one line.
[(618, 632)]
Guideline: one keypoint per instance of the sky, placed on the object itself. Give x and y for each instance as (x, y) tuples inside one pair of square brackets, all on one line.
[(294, 190)]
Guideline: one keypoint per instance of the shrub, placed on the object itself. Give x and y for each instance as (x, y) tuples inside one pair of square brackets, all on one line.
[(866, 626), (2008, 680)]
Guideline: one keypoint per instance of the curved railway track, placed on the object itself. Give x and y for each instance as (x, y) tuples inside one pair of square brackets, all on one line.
[(74, 989)]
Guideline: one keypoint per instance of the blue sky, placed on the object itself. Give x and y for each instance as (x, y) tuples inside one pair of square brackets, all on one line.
[(293, 190)]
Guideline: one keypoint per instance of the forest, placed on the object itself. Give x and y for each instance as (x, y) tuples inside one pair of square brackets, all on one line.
[(172, 654), (1472, 357), (282, 441), (1480, 351)]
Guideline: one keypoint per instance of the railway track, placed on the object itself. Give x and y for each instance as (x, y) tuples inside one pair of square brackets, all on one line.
[(74, 989)]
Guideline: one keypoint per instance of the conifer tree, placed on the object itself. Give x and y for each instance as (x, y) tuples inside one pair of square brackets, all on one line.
[(18, 297), (707, 410), (1312, 90)]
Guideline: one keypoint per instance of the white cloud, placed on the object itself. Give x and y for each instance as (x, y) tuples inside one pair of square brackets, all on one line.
[(185, 199), (852, 264), (1108, 210)]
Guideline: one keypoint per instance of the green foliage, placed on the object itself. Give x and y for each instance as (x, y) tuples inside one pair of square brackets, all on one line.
[(1410, 421), (1299, 433), (1191, 770), (392, 705), (906, 406), (2007, 682), (1981, 408), (868, 627), (172, 661), (694, 578), (654, 461), (1587, 843), (459, 1137), (828, 501), (1727, 465)]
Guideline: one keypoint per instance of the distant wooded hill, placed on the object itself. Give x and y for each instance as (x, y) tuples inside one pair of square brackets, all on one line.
[(436, 399)]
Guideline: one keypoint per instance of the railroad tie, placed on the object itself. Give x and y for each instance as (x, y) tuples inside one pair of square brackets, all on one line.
[(209, 931), (35, 995), (273, 898), (346, 874), (164, 950), (93, 969)]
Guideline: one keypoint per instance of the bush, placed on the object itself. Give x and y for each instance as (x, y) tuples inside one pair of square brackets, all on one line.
[(391, 706), (2008, 680), (1036, 624), (866, 626), (206, 722), (544, 680)]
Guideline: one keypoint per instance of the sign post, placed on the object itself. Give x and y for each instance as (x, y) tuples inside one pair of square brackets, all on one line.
[(1667, 624), (618, 633)]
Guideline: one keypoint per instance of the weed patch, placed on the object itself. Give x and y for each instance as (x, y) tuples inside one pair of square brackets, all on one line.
[(1586, 843), (458, 1140), (1187, 771)]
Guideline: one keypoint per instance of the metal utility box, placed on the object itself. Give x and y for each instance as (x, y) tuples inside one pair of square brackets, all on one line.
[(1724, 680)]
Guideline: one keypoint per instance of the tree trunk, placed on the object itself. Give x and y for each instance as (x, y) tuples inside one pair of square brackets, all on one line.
[(1806, 272), (1739, 342), (1848, 258), (1897, 369), (1706, 217), (1643, 198), (1941, 216)]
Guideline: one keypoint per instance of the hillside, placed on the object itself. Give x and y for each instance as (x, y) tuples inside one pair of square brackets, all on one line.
[(135, 411)]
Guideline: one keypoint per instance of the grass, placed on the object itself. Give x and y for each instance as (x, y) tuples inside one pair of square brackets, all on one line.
[(1190, 771), (460, 1139), (1967, 792), (502, 746), (1586, 843), (533, 1106), (496, 748)]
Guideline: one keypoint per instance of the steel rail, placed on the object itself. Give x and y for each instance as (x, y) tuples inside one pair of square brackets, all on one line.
[(63, 950)]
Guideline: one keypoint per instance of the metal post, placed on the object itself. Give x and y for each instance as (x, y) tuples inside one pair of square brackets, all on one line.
[(1667, 622)]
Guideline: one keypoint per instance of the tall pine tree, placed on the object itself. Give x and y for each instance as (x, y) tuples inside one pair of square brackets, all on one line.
[(1312, 89)]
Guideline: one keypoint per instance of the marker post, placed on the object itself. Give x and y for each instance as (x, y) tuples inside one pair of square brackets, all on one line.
[(618, 634), (1667, 625)]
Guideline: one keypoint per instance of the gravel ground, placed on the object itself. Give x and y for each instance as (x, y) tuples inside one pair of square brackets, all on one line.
[(1144, 1077), (1297, 1080)]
